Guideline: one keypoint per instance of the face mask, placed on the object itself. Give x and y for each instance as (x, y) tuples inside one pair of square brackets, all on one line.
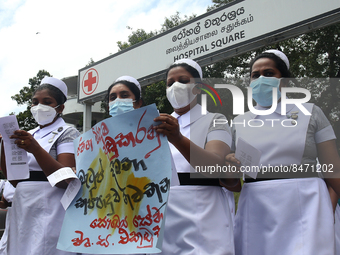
[(180, 95), (43, 114), (263, 90), (120, 105)]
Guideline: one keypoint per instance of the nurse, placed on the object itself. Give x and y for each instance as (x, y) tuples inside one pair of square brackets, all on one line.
[(36, 213), (198, 219), (289, 212), (124, 95)]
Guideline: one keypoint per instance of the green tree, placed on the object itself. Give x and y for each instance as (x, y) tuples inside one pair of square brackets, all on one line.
[(317, 54), (218, 3), (136, 37), (90, 62), (174, 21), (24, 97)]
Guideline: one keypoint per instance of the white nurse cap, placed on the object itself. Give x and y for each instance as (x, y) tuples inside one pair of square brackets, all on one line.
[(56, 83), (281, 55), (191, 63), (132, 80)]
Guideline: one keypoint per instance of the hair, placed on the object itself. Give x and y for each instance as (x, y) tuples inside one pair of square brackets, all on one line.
[(188, 68), (53, 92), (133, 87), (279, 63)]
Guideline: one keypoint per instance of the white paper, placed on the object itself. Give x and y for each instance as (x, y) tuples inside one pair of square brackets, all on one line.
[(60, 175), (249, 157), (72, 188), (70, 193), (16, 158)]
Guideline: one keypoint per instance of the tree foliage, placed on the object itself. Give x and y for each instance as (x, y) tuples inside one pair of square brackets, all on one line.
[(317, 54), (174, 21), (137, 36), (24, 97), (90, 62), (218, 3)]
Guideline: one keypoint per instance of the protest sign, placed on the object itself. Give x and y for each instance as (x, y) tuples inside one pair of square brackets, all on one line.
[(124, 167)]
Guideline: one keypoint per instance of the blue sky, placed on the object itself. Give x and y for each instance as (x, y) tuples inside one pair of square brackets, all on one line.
[(71, 32)]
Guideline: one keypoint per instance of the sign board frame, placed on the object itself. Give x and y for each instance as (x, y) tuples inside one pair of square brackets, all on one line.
[(227, 31)]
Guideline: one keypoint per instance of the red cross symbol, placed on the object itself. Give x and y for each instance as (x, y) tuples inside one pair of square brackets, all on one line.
[(90, 81)]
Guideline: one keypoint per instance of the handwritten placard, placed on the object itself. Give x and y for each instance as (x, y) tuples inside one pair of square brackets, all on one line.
[(124, 167)]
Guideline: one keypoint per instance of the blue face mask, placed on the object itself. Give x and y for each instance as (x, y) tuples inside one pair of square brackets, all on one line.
[(120, 105), (262, 89)]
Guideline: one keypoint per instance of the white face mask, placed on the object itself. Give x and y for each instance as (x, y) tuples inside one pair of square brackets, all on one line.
[(180, 95), (43, 114)]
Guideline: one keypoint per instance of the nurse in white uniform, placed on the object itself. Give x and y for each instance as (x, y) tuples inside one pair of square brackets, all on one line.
[(36, 213), (288, 212), (198, 218), (124, 95)]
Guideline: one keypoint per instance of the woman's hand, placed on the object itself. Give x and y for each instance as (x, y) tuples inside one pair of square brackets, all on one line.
[(25, 140), (169, 127), (231, 161), (231, 181)]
